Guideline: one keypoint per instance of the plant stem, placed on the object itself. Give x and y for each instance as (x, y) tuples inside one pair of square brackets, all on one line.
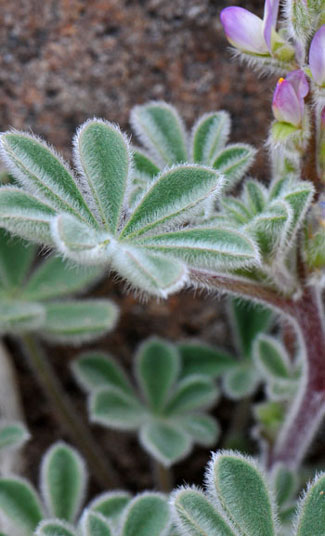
[(307, 410), (163, 477), (66, 415)]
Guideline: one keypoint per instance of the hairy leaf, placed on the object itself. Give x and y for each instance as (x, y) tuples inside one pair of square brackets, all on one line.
[(193, 392), (55, 527), (234, 161), (114, 408), (13, 273), (198, 358), (203, 429), (94, 524), (210, 134), (94, 369), (166, 442), (12, 435), (240, 381), (311, 514), (102, 155), (63, 481), (157, 367), (160, 129), (20, 504), (271, 358), (249, 320), (19, 317)]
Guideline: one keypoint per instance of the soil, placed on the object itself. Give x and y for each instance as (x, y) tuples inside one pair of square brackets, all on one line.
[(63, 61)]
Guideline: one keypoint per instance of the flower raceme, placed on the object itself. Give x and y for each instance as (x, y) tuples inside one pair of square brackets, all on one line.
[(249, 33), (288, 99)]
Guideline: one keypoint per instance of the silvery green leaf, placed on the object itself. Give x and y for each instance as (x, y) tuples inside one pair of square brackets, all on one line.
[(272, 227), (208, 248), (37, 167), (54, 277), (78, 241), (25, 215), (209, 135), (192, 393), (199, 358), (20, 504), (311, 513), (172, 197), (239, 487), (150, 271), (143, 167), (165, 441), (94, 524), (148, 514), (271, 358), (103, 157), (299, 199), (55, 527), (12, 435), (285, 483), (19, 316), (234, 161), (282, 389), (63, 481), (196, 516), (203, 429), (13, 273), (241, 381), (255, 196), (249, 320), (94, 369), (78, 321), (161, 131), (111, 505), (114, 408), (157, 367), (236, 210)]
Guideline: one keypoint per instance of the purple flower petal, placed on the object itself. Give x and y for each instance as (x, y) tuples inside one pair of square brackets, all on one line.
[(244, 30), (286, 105), (299, 82), (317, 56), (271, 9)]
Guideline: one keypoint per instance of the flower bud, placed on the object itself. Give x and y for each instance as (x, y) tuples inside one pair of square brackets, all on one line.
[(288, 98)]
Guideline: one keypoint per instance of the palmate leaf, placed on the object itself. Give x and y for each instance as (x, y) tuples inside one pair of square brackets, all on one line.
[(234, 161), (54, 277), (193, 392), (171, 198), (209, 135), (239, 487), (249, 320), (55, 527), (94, 524), (78, 321), (196, 516), (114, 408), (166, 441), (20, 504), (19, 317), (150, 271), (157, 367), (207, 248), (148, 514), (25, 215), (12, 435), (102, 155), (199, 358), (161, 131), (311, 513), (37, 167), (94, 369), (203, 429), (111, 505), (13, 273), (63, 481)]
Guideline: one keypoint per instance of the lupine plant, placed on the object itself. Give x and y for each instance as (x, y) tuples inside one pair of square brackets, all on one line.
[(12, 435), (56, 509), (167, 411), (163, 218)]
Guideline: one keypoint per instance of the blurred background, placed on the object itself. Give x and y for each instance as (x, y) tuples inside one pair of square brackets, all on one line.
[(62, 62)]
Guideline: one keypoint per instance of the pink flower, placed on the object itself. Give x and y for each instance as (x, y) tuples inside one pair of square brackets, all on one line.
[(246, 31), (317, 56), (288, 98)]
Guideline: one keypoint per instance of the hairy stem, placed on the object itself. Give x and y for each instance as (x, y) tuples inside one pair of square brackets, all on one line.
[(308, 409), (163, 477), (70, 421)]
